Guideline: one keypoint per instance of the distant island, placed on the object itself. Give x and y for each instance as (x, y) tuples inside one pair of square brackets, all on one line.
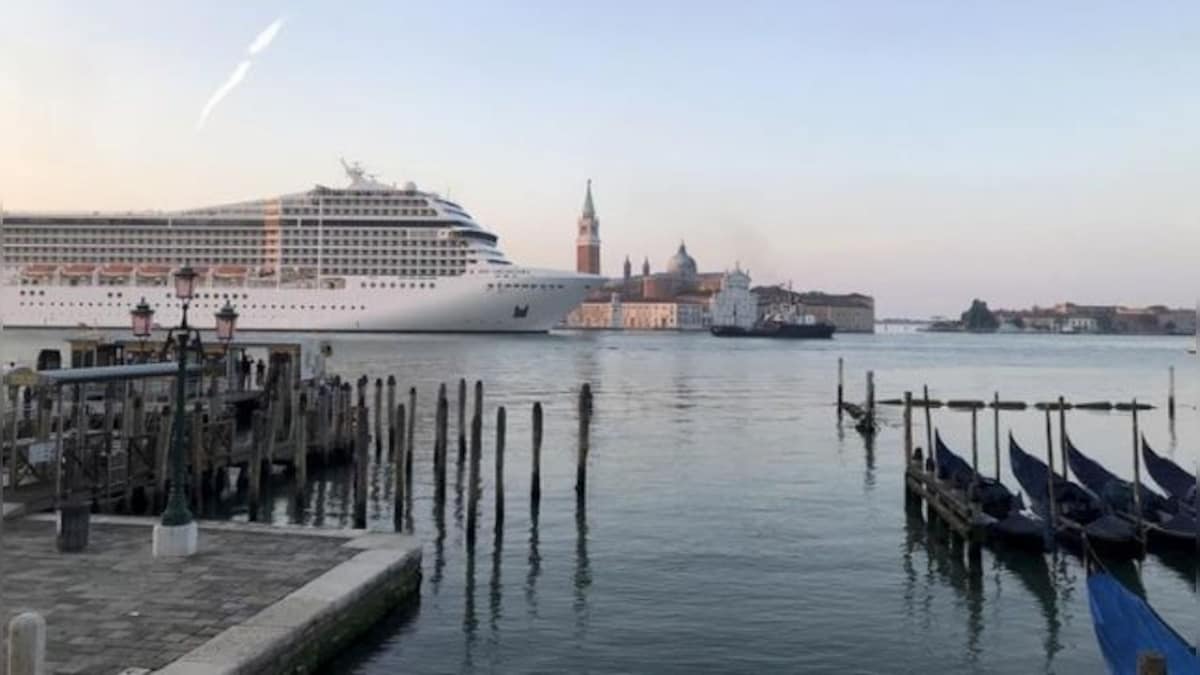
[(1070, 318)]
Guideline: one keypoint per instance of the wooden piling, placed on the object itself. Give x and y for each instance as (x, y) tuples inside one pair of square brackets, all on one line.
[(398, 479), (162, 450), (300, 457), (535, 482), (411, 430), (975, 444), (908, 430), (378, 415), (585, 420), (275, 412), (840, 389), (1137, 471), (391, 412), (361, 457), (1050, 473), (499, 486), (996, 429), (110, 394), (1171, 393), (258, 440), (196, 425), (929, 452), (473, 470), (442, 420), (871, 396), (462, 420)]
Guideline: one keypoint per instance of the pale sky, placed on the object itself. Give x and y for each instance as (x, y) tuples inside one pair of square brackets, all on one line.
[(922, 152)]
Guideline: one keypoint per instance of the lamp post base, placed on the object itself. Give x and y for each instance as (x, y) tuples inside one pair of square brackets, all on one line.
[(173, 541)]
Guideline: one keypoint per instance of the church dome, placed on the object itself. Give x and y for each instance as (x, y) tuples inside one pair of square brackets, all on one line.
[(681, 264)]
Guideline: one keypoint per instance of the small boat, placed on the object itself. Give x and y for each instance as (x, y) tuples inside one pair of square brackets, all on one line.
[(1126, 626), (778, 329), (1179, 484), (78, 270), (1167, 522), (1079, 515), (1002, 512)]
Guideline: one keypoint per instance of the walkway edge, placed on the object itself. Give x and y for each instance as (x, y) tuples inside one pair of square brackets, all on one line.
[(314, 622)]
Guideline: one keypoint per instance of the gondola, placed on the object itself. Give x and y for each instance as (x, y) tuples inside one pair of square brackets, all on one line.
[(1079, 515), (1126, 626), (1002, 512), (1168, 522), (1179, 484)]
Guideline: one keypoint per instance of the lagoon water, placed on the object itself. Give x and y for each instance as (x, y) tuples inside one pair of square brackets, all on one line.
[(730, 524)]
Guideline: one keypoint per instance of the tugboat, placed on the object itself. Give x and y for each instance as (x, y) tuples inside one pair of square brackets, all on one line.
[(772, 328), (784, 322)]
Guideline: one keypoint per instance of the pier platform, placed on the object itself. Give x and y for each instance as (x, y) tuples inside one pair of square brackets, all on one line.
[(255, 599)]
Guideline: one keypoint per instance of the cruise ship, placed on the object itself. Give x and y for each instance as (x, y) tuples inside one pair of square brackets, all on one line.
[(370, 257)]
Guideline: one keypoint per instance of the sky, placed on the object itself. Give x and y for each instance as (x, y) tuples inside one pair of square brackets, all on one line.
[(925, 153)]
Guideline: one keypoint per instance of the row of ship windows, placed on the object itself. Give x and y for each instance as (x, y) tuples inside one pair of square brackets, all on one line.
[(16, 235)]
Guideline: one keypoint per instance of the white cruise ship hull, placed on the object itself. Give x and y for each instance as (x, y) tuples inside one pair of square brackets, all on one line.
[(496, 300)]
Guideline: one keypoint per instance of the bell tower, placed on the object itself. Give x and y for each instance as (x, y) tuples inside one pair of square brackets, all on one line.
[(587, 244)]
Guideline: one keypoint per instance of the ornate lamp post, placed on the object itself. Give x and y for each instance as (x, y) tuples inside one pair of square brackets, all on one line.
[(143, 325), (176, 534)]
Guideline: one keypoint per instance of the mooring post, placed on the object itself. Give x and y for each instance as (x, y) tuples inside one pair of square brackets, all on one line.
[(929, 451), (473, 472), (300, 457), (462, 419), (398, 479), (1062, 436), (1137, 471), (391, 412), (1151, 662), (378, 417), (275, 411), (361, 457), (196, 426), (996, 429), (840, 389), (535, 480), (499, 488), (411, 431), (908, 431), (1171, 393), (27, 644), (257, 439), (443, 435), (585, 418), (975, 445), (871, 396), (1050, 474)]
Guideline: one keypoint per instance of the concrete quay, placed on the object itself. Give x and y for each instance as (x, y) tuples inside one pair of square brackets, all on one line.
[(255, 599)]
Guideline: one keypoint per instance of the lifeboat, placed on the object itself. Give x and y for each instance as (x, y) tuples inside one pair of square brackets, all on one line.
[(116, 270), (154, 271), (79, 270), (229, 272), (40, 270)]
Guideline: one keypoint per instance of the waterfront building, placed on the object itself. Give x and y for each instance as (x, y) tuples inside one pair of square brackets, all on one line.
[(849, 313)]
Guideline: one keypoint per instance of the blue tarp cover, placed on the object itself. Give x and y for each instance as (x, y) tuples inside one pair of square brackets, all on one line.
[(1126, 625)]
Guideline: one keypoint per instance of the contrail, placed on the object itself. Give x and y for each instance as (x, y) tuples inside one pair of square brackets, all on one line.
[(264, 38), (259, 44)]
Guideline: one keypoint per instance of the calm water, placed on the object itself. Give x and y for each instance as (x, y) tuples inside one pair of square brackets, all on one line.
[(730, 525)]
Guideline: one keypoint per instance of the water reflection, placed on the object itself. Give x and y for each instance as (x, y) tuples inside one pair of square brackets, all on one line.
[(1034, 575), (869, 458), (535, 561), (583, 568), (495, 589)]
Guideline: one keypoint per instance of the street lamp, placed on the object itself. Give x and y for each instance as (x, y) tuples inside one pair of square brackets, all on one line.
[(176, 534), (143, 324)]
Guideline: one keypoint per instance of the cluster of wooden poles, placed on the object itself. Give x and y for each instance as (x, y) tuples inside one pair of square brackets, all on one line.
[(396, 438)]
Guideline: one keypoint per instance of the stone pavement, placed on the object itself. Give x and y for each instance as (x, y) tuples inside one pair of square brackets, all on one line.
[(115, 606)]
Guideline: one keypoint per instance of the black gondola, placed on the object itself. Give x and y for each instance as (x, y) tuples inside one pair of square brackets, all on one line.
[(1168, 522), (1179, 484), (1002, 511), (1079, 514)]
